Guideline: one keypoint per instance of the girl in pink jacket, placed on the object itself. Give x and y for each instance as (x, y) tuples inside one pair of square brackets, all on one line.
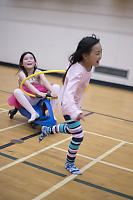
[(75, 82)]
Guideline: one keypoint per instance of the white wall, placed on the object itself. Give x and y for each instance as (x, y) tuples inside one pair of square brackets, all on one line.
[(51, 29)]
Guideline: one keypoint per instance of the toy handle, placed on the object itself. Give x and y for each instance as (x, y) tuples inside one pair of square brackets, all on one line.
[(48, 96), (38, 96)]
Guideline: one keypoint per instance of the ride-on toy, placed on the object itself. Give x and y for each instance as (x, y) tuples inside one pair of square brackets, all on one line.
[(41, 107)]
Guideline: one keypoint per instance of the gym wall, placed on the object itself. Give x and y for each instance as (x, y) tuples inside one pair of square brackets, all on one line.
[(51, 29)]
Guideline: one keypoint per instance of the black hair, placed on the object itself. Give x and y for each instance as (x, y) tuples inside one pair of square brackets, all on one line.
[(84, 46), (21, 67)]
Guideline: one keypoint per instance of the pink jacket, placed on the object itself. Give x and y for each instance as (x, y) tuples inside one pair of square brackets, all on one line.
[(76, 82)]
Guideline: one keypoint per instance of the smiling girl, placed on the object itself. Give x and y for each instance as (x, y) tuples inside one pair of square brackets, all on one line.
[(75, 82), (34, 85)]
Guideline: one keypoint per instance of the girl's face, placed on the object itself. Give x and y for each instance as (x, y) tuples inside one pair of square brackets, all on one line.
[(93, 58), (29, 61)]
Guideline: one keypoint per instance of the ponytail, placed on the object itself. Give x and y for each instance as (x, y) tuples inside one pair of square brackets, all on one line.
[(84, 46)]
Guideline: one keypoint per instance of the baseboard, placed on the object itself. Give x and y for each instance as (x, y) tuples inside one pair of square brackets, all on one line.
[(92, 81)]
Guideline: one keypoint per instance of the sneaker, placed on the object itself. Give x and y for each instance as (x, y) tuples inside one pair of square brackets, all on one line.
[(43, 133), (33, 118), (72, 169), (12, 112)]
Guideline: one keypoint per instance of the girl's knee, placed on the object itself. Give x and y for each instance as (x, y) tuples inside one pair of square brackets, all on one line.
[(17, 92)]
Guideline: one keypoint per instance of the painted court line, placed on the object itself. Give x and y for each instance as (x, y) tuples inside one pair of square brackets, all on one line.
[(60, 149), (117, 166), (108, 137), (104, 162), (105, 115), (102, 156), (33, 154), (3, 111), (55, 187), (71, 177), (82, 155), (10, 127), (76, 179), (5, 129)]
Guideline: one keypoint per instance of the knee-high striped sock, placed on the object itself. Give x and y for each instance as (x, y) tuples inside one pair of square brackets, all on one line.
[(69, 128), (76, 130), (73, 128), (62, 128), (73, 148)]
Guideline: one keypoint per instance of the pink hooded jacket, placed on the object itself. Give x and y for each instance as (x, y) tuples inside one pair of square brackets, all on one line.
[(76, 82)]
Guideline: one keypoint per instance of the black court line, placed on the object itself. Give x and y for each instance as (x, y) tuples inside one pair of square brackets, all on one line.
[(104, 189), (8, 156), (23, 139), (108, 116), (89, 111), (76, 180), (28, 137), (36, 134), (44, 169)]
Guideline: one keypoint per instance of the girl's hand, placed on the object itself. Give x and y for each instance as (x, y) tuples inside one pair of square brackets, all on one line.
[(53, 94), (79, 117), (42, 94)]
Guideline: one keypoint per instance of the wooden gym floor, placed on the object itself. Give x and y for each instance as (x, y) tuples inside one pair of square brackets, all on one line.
[(29, 170)]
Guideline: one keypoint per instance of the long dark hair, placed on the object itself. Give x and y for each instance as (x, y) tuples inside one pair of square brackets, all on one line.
[(21, 67), (84, 46)]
